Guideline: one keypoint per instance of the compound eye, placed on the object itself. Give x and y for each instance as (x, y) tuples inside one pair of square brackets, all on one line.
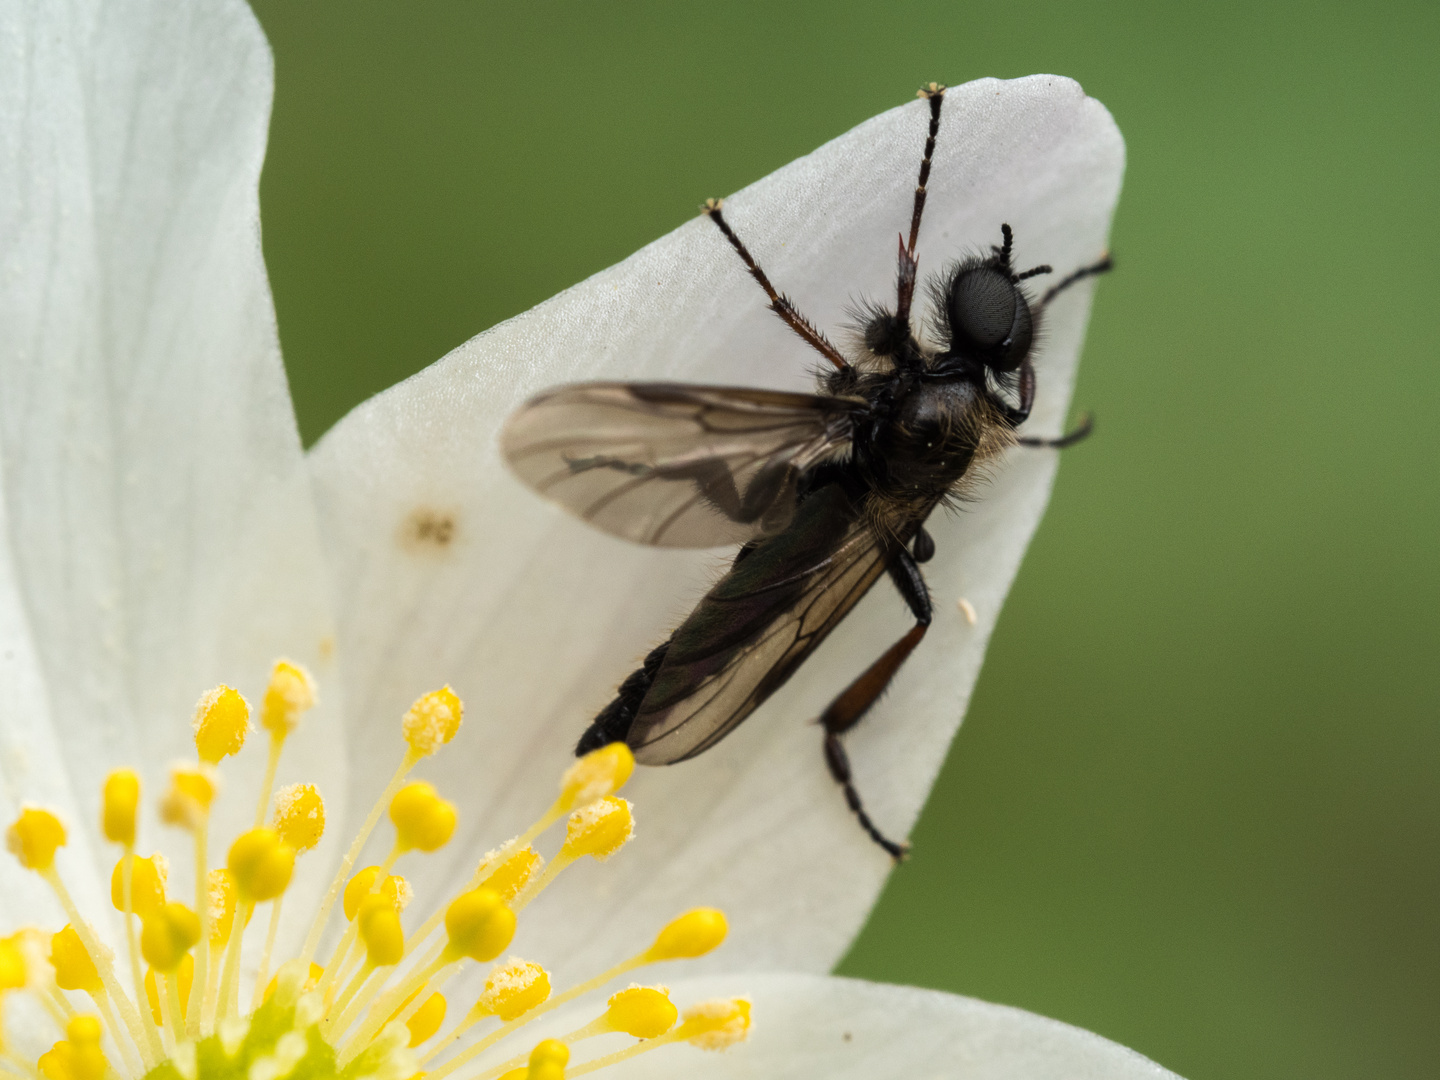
[(990, 318)]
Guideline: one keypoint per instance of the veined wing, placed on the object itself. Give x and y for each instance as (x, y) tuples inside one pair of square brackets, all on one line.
[(756, 626), (671, 464)]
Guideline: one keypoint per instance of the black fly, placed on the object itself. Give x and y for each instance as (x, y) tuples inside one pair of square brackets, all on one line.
[(824, 492)]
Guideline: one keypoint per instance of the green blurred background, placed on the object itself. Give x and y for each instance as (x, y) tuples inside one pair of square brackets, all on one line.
[(1196, 804)]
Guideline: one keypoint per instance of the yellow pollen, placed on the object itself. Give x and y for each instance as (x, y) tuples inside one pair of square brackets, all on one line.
[(262, 864), (599, 773), (421, 818), (167, 935), (380, 930), (514, 988), (74, 970), (432, 721), (119, 802), (600, 829), (427, 1019), (690, 935), (222, 718), (192, 790), (645, 1012), (34, 837), (479, 925), (291, 693), (147, 884), (220, 888), (514, 873), (715, 1025), (300, 816), (185, 974)]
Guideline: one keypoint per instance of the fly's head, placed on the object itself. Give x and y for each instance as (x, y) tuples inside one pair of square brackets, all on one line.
[(986, 321)]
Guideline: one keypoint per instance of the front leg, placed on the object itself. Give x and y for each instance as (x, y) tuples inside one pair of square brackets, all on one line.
[(854, 702)]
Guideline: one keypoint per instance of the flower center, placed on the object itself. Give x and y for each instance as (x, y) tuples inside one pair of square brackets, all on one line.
[(373, 1006)]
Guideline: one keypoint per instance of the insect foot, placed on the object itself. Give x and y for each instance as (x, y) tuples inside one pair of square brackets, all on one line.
[(374, 1009)]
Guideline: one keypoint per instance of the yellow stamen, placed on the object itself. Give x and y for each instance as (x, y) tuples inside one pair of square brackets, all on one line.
[(291, 693), (432, 721), (262, 864), (711, 1025), (380, 931), (300, 816), (34, 838), (426, 1020), (167, 935), (598, 829), (74, 970), (599, 773), (436, 713), (78, 1056), (222, 719), (479, 926), (421, 818), (184, 975), (512, 990), (147, 884), (187, 802), (690, 935), (119, 802)]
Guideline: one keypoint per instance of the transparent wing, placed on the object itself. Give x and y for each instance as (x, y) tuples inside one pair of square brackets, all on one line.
[(674, 465), (759, 623)]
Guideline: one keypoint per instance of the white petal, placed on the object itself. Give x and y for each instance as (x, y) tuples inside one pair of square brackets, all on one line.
[(161, 529), (808, 1026), (535, 618)]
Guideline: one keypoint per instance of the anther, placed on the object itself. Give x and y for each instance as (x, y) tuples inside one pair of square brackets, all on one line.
[(74, 970), (262, 864), (512, 875), (167, 935), (715, 1025), (187, 802), (184, 976), (222, 719), (645, 1012), (422, 819), (427, 1019), (396, 888), (290, 694), (12, 964), (34, 838), (599, 773), (300, 816), (380, 932), (77, 1056), (222, 894), (120, 800), (548, 1060), (512, 989), (479, 925), (599, 829), (432, 721), (690, 935), (147, 884)]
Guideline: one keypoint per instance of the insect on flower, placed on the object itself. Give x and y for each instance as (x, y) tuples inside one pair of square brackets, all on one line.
[(824, 492)]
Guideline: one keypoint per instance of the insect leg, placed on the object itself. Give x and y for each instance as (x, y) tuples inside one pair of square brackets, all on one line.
[(779, 304), (854, 702), (1104, 266), (1080, 432), (905, 275)]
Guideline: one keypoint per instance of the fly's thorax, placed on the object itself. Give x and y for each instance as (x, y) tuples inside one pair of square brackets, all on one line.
[(932, 436)]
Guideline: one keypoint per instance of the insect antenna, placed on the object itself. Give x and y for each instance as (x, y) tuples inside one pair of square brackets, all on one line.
[(779, 304), (1034, 271), (905, 287), (1105, 265)]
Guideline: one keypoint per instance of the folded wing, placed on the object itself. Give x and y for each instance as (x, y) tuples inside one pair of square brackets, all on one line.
[(675, 465)]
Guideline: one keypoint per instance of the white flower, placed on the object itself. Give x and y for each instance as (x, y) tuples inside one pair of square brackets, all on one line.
[(161, 531)]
